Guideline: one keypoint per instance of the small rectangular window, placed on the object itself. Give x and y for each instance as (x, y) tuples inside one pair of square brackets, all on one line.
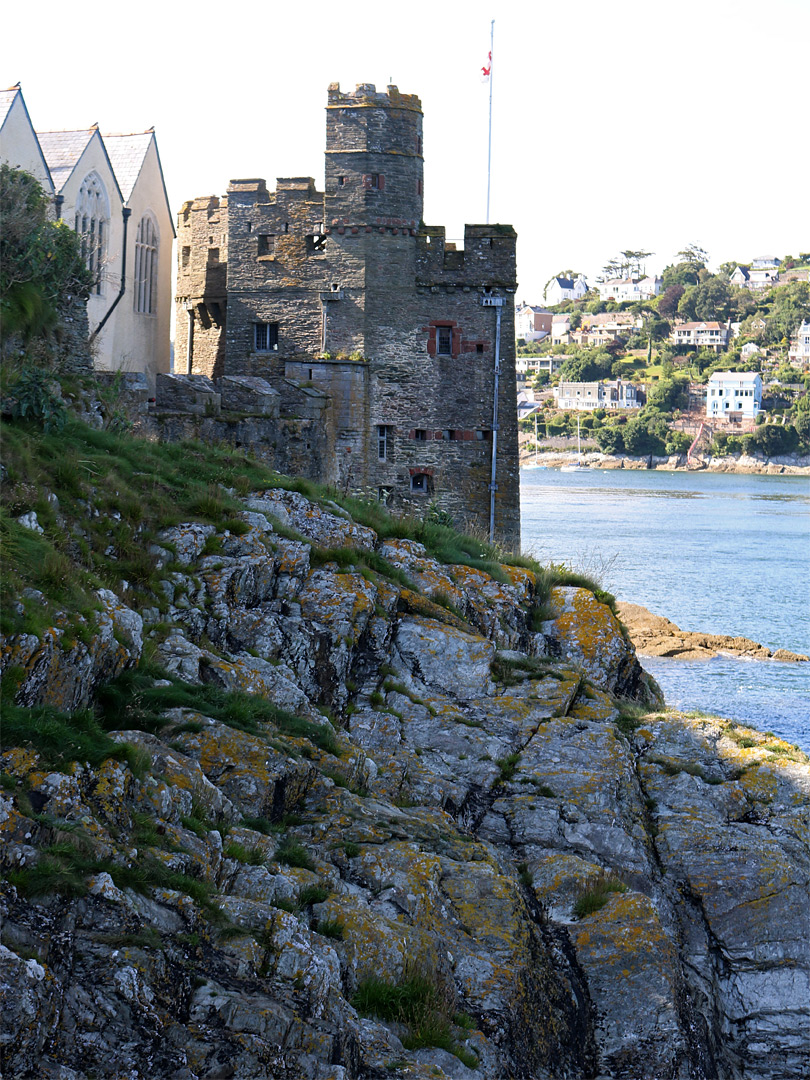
[(383, 448), (266, 244), (374, 181), (444, 340), (213, 256), (266, 336), (420, 434), (186, 257), (420, 483)]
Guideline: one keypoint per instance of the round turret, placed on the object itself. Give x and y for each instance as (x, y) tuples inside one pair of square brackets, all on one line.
[(374, 162)]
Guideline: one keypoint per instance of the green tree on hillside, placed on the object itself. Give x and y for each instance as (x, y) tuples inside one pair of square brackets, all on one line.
[(668, 394), (709, 300), (682, 273), (587, 366), (629, 263), (789, 306), (694, 256), (41, 263)]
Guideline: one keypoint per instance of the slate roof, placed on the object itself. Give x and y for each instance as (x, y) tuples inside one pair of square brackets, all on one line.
[(732, 376), (605, 318), (564, 282), (6, 101), (700, 326), (62, 150), (126, 154)]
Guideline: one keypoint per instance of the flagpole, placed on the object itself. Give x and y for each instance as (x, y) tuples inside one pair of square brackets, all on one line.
[(489, 142)]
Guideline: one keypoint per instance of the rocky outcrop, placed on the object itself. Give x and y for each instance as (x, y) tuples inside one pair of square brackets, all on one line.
[(440, 843), (653, 635), (61, 668)]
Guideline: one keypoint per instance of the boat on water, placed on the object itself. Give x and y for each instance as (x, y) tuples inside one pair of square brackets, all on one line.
[(579, 465)]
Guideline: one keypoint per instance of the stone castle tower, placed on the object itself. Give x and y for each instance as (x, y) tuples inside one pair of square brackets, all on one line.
[(348, 294)]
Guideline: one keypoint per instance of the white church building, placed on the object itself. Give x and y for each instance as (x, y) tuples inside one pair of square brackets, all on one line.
[(110, 189)]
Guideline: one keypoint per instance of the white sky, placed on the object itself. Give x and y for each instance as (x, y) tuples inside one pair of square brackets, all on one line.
[(616, 123)]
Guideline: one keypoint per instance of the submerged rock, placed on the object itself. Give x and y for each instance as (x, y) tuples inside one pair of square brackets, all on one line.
[(653, 635)]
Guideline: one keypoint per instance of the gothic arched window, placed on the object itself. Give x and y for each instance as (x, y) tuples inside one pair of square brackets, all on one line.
[(146, 265), (92, 223)]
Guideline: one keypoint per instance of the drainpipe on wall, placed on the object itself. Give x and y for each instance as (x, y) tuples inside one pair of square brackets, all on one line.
[(190, 338), (126, 212), (497, 303), (57, 203)]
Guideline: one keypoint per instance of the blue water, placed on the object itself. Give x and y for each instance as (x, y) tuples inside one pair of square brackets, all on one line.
[(721, 553)]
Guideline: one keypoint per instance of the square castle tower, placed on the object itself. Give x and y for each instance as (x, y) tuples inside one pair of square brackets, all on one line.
[(348, 292)]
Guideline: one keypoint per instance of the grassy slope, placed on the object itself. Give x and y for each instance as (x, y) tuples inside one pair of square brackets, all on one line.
[(101, 498)]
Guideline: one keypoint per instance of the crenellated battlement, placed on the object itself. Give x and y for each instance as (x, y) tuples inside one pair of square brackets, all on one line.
[(366, 94), (302, 285)]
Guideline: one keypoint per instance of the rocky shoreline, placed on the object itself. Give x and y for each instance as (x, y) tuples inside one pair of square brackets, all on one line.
[(790, 465), (654, 635)]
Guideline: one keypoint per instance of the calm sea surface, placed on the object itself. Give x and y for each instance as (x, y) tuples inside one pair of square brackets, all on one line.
[(725, 554)]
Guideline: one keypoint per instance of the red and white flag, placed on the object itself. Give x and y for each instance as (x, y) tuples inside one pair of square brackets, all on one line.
[(486, 70)]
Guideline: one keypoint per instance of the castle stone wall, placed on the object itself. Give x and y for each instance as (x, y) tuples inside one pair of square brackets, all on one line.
[(201, 301), (348, 293)]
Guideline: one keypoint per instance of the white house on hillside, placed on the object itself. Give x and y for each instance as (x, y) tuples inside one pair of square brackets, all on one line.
[(532, 323), (800, 348), (632, 289), (734, 395), (110, 189), (527, 367), (561, 289), (611, 394), (762, 274), (560, 329)]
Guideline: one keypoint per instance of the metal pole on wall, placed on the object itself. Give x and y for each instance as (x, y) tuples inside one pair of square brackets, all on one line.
[(497, 302), (489, 141)]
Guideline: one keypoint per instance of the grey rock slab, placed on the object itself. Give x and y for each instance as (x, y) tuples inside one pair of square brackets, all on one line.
[(443, 657), (316, 523)]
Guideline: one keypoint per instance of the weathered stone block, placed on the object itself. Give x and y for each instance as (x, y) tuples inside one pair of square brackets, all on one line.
[(130, 388), (243, 393), (187, 393)]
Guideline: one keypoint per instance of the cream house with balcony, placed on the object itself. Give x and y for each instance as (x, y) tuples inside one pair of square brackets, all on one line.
[(701, 335)]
